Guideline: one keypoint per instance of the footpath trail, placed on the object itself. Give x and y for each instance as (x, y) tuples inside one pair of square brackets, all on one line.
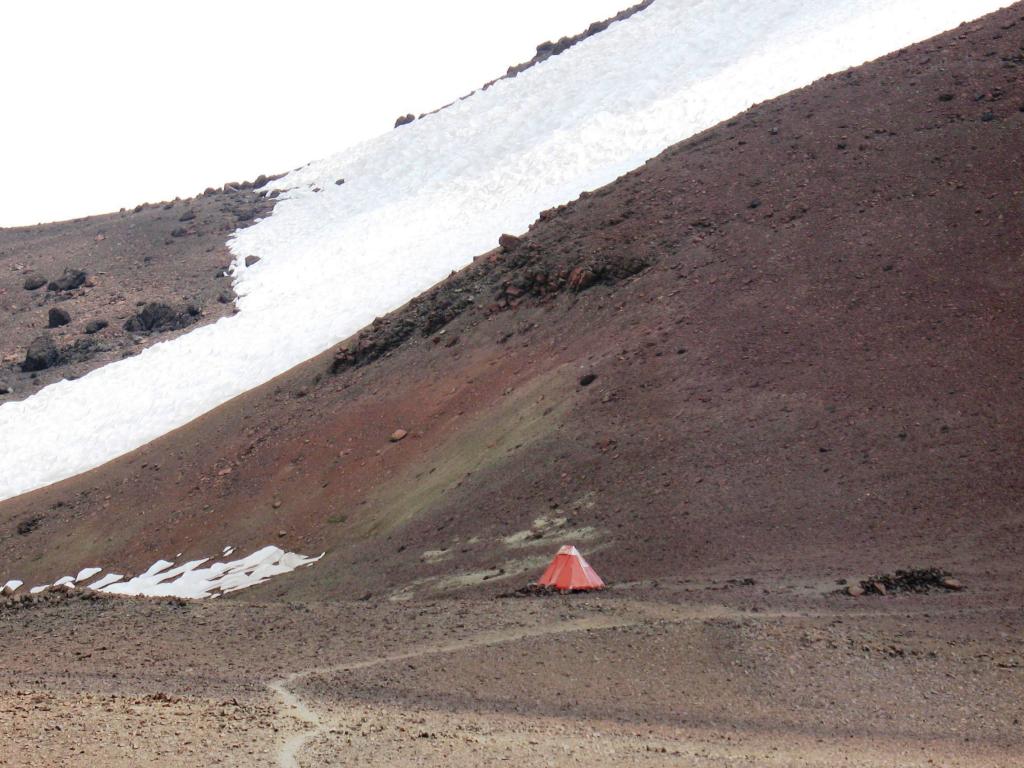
[(700, 748), (288, 753)]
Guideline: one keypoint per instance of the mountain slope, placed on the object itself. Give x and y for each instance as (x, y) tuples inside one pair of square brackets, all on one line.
[(805, 329), (358, 234)]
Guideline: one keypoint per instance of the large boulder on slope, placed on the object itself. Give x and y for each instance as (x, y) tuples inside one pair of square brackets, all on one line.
[(42, 354), (58, 317), (34, 281), (156, 317), (71, 279)]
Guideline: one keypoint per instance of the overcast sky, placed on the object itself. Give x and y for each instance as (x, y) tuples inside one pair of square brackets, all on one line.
[(108, 104)]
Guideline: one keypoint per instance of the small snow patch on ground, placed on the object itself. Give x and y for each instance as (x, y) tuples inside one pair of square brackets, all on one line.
[(86, 573), (191, 579), (110, 578)]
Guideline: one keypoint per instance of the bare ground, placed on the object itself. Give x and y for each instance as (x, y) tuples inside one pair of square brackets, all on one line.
[(612, 679)]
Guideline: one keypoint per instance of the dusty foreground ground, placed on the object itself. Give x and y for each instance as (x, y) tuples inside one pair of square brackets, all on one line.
[(678, 674)]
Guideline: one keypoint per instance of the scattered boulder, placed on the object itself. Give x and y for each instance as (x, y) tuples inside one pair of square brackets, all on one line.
[(587, 379), (581, 278), (34, 281), (179, 232), (42, 354), (69, 281), (917, 580), (157, 317), (187, 216), (226, 296), (95, 326), (404, 120), (398, 434), (81, 351), (28, 525), (58, 317), (508, 242), (5, 388), (250, 260)]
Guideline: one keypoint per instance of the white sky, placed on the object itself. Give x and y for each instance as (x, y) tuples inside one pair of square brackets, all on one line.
[(107, 104)]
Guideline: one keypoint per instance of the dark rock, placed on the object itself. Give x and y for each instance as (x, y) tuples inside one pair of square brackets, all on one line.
[(404, 120), (81, 351), (26, 527), (187, 216), (71, 279), (58, 317), (158, 317), (42, 354), (508, 242), (34, 281), (95, 326), (945, 97), (339, 182), (250, 260), (587, 379), (179, 232), (5, 388), (917, 580), (226, 296)]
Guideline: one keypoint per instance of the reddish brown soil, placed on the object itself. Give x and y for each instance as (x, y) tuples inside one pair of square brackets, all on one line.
[(131, 259)]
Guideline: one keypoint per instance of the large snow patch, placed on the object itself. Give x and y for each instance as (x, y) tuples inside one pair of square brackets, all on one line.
[(421, 201), (194, 579)]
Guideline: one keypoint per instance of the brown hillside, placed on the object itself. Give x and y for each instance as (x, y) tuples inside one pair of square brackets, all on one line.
[(806, 331)]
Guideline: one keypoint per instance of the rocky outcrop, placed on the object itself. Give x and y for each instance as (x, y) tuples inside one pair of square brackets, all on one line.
[(157, 317), (69, 281)]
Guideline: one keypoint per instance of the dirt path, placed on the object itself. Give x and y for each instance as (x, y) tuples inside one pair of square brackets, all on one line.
[(522, 736), (288, 753)]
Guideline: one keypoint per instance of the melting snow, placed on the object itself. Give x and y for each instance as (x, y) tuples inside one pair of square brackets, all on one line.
[(164, 579), (423, 200), (13, 585), (86, 573), (110, 578)]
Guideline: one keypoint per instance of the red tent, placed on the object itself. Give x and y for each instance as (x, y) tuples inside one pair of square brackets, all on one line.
[(570, 571)]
